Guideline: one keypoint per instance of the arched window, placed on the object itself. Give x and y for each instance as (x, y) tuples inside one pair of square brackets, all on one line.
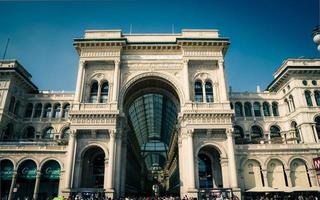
[(38, 110), (257, 109), (256, 134), (307, 95), (65, 134), (317, 97), (248, 109), (16, 108), (288, 105), (11, 105), (47, 111), (8, 132), (317, 121), (275, 109), (275, 132), (28, 111), (198, 96), (209, 91), (56, 111), (266, 109), (294, 126), (238, 134), (292, 102), (66, 109), (104, 92), (93, 92), (48, 133), (238, 109), (29, 133)]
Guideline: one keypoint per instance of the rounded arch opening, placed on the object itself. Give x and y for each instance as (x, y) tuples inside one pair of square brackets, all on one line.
[(151, 105), (50, 178), (93, 167), (209, 171)]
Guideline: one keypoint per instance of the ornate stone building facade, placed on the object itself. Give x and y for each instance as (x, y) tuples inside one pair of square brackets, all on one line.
[(152, 113)]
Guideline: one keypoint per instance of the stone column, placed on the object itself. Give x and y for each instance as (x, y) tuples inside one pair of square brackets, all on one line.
[(13, 185), (288, 174), (116, 80), (186, 79), (223, 88), (106, 175), (33, 110), (79, 81), (110, 174), (231, 159), (69, 164), (265, 177), (36, 186), (204, 95), (313, 177), (99, 93), (191, 160), (224, 171), (181, 166), (315, 133)]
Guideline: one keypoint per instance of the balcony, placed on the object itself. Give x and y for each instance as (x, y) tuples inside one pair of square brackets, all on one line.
[(32, 145), (94, 108), (200, 107)]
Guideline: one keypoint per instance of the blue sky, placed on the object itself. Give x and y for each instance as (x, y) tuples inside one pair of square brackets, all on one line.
[(263, 33)]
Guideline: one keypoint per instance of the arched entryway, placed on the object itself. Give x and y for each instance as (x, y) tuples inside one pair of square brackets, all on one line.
[(93, 163), (209, 168), (6, 171), (252, 175), (299, 174), (27, 172), (151, 105), (49, 181), (276, 176)]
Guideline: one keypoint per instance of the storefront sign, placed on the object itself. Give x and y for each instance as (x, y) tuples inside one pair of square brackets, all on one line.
[(6, 173), (316, 163), (28, 173), (51, 173)]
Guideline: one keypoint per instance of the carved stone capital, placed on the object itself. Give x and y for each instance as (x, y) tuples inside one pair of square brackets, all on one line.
[(185, 61), (112, 133), (229, 132), (117, 61)]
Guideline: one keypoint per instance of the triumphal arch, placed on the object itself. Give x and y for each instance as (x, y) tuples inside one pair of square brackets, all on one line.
[(137, 108)]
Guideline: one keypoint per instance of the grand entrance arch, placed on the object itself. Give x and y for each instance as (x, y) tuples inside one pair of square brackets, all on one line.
[(151, 106)]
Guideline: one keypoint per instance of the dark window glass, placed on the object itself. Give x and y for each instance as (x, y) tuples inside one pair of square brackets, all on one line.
[(307, 95), (198, 96), (257, 109), (209, 92)]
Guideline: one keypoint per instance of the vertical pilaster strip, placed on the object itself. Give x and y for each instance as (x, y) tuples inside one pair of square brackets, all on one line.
[(110, 174), (116, 80), (231, 159), (190, 160), (186, 79), (79, 81), (69, 170), (223, 89)]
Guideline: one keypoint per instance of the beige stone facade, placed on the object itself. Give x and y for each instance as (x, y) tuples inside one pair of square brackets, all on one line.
[(154, 110)]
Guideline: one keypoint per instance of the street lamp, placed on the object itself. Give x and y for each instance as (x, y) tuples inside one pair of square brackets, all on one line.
[(316, 36)]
